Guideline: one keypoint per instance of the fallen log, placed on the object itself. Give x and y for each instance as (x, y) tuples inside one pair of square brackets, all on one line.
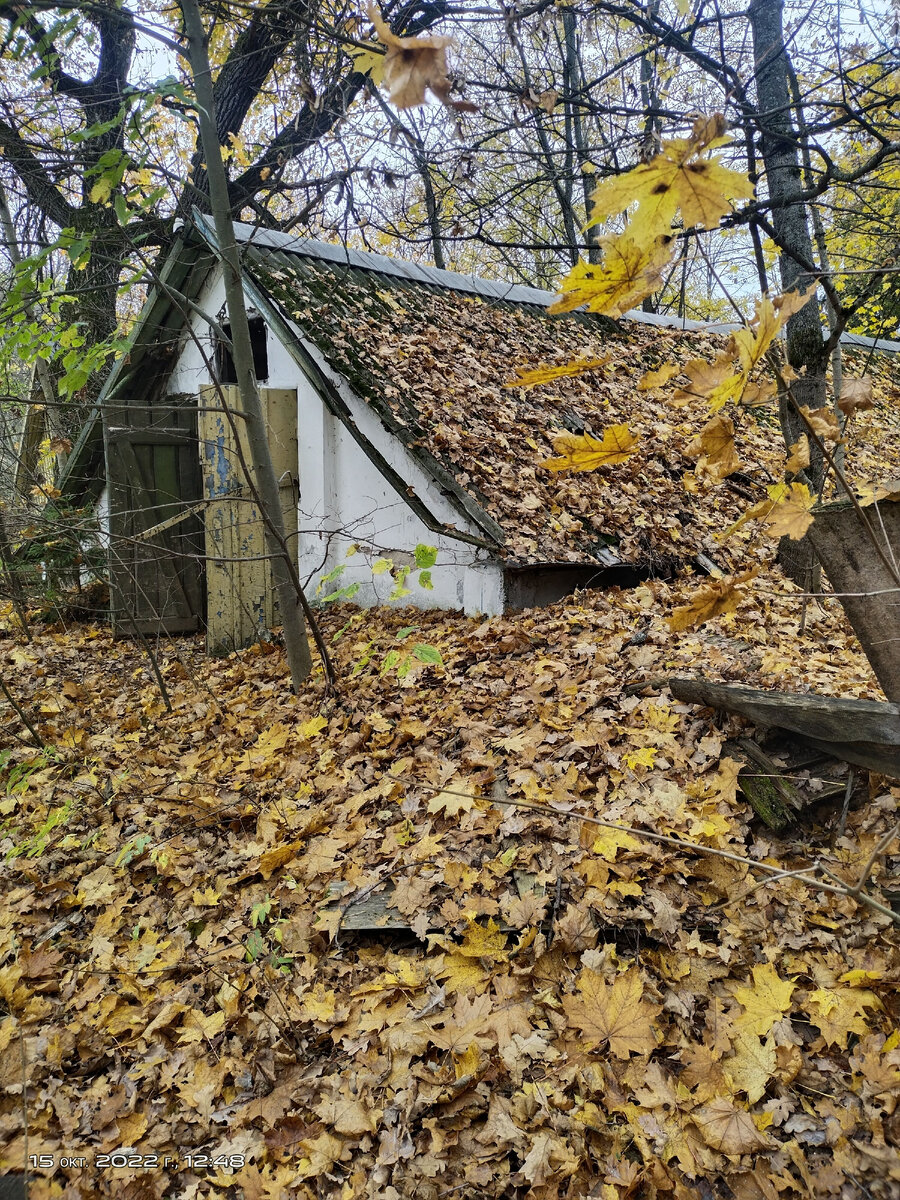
[(863, 732)]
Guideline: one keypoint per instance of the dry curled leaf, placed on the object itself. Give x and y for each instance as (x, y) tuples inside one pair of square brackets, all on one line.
[(856, 395), (713, 599), (415, 65), (823, 423)]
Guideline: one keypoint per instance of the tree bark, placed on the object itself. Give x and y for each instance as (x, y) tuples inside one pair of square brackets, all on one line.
[(805, 345), (295, 636)]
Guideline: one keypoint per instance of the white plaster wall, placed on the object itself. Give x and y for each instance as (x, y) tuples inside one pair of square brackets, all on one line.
[(344, 499), (190, 373), (364, 510), (101, 510)]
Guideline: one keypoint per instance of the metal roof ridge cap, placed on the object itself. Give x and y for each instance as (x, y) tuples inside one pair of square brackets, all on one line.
[(882, 345), (664, 321), (370, 260)]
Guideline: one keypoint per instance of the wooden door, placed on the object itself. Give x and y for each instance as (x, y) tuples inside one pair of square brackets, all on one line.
[(241, 604), (156, 548)]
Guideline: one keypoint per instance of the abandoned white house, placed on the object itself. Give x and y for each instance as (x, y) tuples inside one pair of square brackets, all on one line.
[(392, 425)]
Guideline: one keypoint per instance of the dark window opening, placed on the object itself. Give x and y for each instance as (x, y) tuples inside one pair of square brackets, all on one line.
[(533, 585), (225, 372)]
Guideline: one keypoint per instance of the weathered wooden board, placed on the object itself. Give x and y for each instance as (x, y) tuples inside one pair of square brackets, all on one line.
[(770, 794), (374, 911), (154, 478), (241, 604), (864, 732), (861, 557)]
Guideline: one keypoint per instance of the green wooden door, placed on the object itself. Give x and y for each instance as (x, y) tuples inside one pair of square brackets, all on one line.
[(156, 532)]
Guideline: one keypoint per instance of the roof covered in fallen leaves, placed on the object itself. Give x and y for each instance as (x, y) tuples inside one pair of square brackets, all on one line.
[(437, 356)]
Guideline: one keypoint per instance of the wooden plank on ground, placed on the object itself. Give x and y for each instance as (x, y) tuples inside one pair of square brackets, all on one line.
[(374, 911), (864, 732), (768, 791)]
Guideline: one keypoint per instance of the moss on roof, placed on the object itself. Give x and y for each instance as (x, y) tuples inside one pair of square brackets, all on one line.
[(433, 363)]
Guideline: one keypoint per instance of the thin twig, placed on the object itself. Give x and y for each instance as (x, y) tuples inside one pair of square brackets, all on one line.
[(23, 717), (842, 824)]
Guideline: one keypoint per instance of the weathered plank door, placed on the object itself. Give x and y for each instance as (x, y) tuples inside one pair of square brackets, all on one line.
[(156, 545), (241, 604)]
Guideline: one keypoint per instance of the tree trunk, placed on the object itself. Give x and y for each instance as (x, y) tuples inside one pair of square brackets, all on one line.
[(805, 346), (265, 483)]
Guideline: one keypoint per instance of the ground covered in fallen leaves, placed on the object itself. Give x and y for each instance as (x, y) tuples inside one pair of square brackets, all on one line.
[(550, 1007)]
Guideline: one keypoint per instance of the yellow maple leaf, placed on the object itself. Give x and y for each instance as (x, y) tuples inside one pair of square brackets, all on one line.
[(714, 447), (311, 728), (348, 1114), (717, 382), (483, 941), (101, 191), (631, 269), (752, 1065), (838, 1012), (678, 177), (460, 973), (368, 59), (798, 459), (199, 1027), (713, 599), (320, 1004), (616, 1015), (609, 842), (581, 452), (787, 511), (277, 857), (654, 379), (750, 344), (874, 493), (765, 1002), (758, 394), (645, 757), (456, 799), (546, 373), (468, 1062), (858, 977)]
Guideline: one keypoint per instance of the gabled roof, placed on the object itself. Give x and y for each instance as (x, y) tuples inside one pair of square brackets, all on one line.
[(430, 352)]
